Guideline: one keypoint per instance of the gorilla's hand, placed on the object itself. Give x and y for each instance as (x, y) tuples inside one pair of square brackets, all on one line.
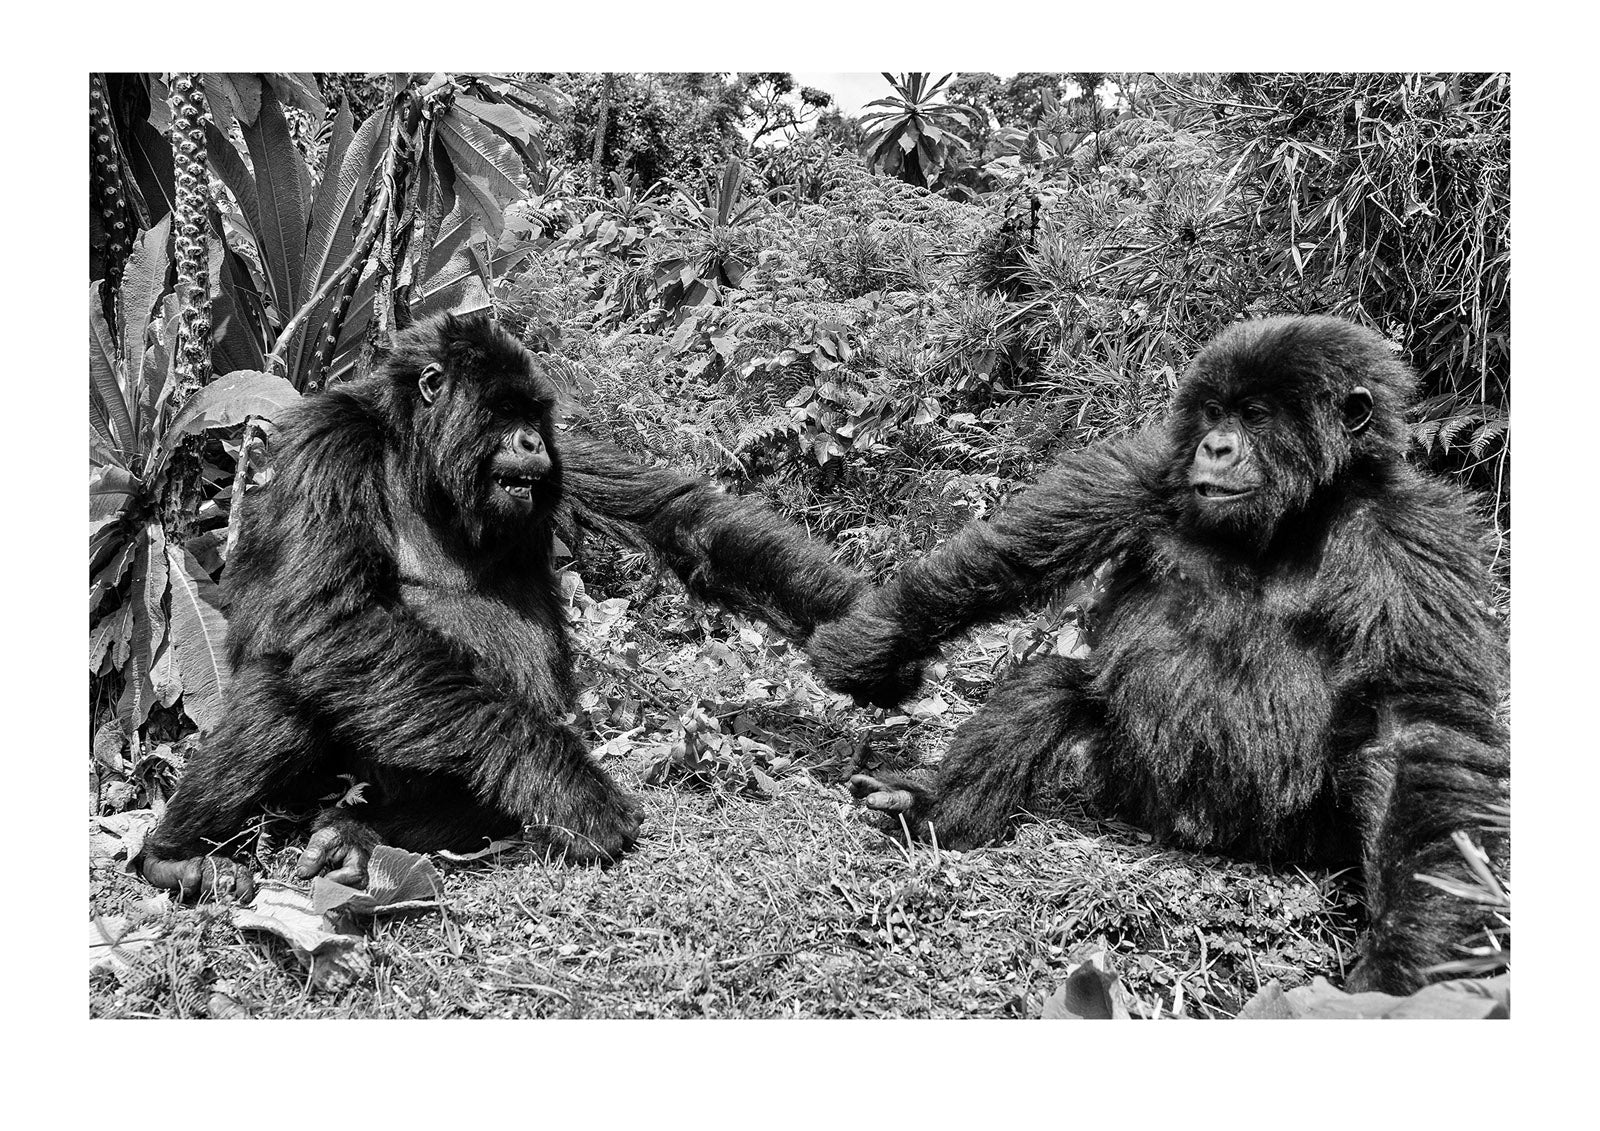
[(587, 818), (862, 654), (340, 847), (201, 878)]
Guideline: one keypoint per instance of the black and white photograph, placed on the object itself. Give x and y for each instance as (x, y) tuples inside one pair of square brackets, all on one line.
[(667, 545), (748, 585)]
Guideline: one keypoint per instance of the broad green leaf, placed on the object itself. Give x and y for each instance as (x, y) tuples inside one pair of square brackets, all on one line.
[(105, 394), (219, 99), (475, 193), (198, 633), (299, 89), (101, 453), (732, 178), (111, 635), (149, 587), (158, 375), (538, 97), (105, 582), (477, 151), (281, 238), (333, 219), (105, 535), (225, 161), (455, 281), (245, 90), (234, 343), (111, 489), (506, 119), (165, 682), (444, 174), (143, 283), (327, 203), (229, 400), (160, 118)]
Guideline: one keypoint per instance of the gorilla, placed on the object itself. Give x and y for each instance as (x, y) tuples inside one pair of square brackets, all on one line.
[(394, 617), (1294, 658)]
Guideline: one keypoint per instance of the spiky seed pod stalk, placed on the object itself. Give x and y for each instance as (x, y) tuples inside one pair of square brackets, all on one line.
[(192, 177), (182, 494), (108, 190)]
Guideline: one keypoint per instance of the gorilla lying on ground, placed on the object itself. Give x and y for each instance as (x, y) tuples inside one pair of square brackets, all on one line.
[(394, 616), (1294, 657)]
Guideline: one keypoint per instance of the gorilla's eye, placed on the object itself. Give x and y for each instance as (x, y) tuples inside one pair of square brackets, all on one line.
[(1256, 414), (1211, 412)]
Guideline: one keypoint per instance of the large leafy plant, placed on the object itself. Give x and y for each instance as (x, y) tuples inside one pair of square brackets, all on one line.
[(707, 254), (154, 617), (914, 133), (405, 221)]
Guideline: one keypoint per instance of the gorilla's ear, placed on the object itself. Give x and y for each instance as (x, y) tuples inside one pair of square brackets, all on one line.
[(1357, 410), (430, 382)]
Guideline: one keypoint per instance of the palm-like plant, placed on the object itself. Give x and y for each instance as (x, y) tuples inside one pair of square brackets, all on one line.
[(913, 134)]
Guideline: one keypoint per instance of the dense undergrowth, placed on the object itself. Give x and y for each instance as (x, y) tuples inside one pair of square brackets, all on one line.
[(891, 362)]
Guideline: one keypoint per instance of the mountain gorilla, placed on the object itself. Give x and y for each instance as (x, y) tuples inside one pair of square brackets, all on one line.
[(394, 616), (1293, 657)]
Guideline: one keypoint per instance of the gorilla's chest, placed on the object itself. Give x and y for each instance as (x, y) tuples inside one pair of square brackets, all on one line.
[(505, 631), (511, 646), (1223, 690)]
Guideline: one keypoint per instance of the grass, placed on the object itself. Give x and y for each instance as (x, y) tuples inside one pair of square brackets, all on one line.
[(788, 905)]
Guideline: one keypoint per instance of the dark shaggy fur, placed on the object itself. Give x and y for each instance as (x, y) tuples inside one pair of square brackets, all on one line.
[(725, 549), (1294, 658), (394, 616)]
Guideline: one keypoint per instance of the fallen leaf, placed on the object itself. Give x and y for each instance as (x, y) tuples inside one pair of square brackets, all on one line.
[(1460, 999), (493, 848), (1088, 994), (336, 958), (115, 841), (397, 880)]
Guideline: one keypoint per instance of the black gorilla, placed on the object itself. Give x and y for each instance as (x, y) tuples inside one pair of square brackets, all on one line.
[(1293, 658), (394, 617)]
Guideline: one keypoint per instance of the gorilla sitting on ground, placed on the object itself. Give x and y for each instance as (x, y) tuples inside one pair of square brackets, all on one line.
[(1294, 658), (394, 616)]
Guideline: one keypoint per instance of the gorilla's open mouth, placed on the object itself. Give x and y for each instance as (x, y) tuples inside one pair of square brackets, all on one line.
[(519, 487), (1217, 493)]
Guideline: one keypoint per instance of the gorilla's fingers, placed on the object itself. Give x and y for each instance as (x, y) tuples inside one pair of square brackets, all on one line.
[(244, 884), (352, 875), (316, 854), (200, 877), (882, 796)]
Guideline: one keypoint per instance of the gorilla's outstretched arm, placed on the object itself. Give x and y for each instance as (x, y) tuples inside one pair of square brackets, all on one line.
[(1087, 510), (728, 550)]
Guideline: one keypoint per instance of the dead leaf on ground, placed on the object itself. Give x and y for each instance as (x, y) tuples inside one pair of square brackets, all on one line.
[(1461, 999), (493, 848), (1090, 993), (336, 958), (397, 880), (116, 840)]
